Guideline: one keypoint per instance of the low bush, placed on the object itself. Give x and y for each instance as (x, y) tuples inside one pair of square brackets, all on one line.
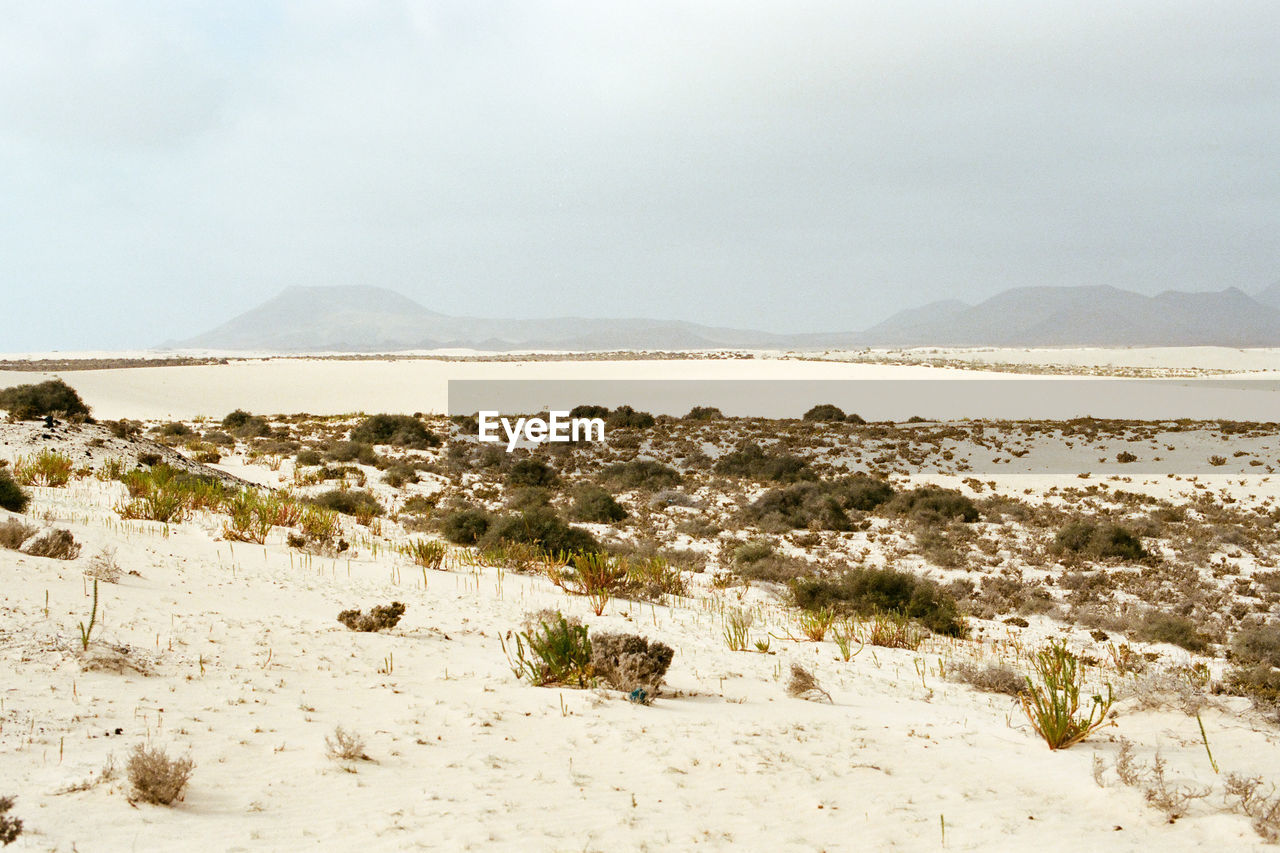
[(308, 456), (398, 430), (819, 504), (753, 463), (704, 413), (13, 533), (865, 591), (1098, 540), (57, 544), (1157, 627), (630, 663), (589, 411), (352, 451), (594, 504), (465, 526), (357, 502), (156, 778), (10, 827), (532, 473), (643, 474), (990, 678), (625, 417), (933, 505), (824, 412), (380, 618), (1257, 644), (12, 496), (543, 528), (52, 398)]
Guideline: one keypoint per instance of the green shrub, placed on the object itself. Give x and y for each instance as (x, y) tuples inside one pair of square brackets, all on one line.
[(1052, 701), (236, 419), (820, 504), (864, 591), (752, 552), (1160, 627), (589, 411), (52, 398), (643, 474), (12, 496), (625, 417), (532, 472), (307, 456), (704, 413), (594, 504), (465, 526), (933, 505), (542, 528), (824, 412), (352, 451), (752, 463), (46, 468), (554, 651), (1257, 644), (399, 430), (357, 502), (1099, 541)]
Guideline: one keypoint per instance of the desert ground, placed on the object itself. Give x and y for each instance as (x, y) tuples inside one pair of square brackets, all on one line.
[(855, 613)]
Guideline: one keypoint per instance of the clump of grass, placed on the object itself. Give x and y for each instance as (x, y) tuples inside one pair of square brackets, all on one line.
[(554, 651), (13, 533), (814, 624), (892, 630), (157, 778), (426, 552), (380, 618), (1052, 701), (737, 629), (46, 468), (804, 685), (57, 544), (12, 496), (598, 576)]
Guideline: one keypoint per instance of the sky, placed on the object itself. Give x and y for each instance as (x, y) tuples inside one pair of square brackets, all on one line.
[(787, 166)]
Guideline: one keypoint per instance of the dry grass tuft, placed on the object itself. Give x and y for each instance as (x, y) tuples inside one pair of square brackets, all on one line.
[(157, 778)]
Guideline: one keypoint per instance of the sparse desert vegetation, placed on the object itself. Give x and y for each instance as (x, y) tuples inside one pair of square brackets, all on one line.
[(709, 566)]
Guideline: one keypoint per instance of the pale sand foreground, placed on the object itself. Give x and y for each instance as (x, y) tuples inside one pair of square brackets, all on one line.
[(249, 671)]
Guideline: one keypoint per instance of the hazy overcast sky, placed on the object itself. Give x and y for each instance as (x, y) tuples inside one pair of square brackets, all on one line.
[(786, 165)]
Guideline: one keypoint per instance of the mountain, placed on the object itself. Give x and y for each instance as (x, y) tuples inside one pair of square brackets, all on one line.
[(373, 319), (1086, 316)]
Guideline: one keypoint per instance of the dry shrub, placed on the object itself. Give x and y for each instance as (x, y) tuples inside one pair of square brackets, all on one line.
[(103, 566), (629, 662), (380, 618), (157, 778), (58, 544), (1245, 795), (803, 685), (344, 745), (10, 827), (13, 533), (990, 678)]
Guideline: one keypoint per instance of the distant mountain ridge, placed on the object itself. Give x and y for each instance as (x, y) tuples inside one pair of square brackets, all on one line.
[(374, 319)]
